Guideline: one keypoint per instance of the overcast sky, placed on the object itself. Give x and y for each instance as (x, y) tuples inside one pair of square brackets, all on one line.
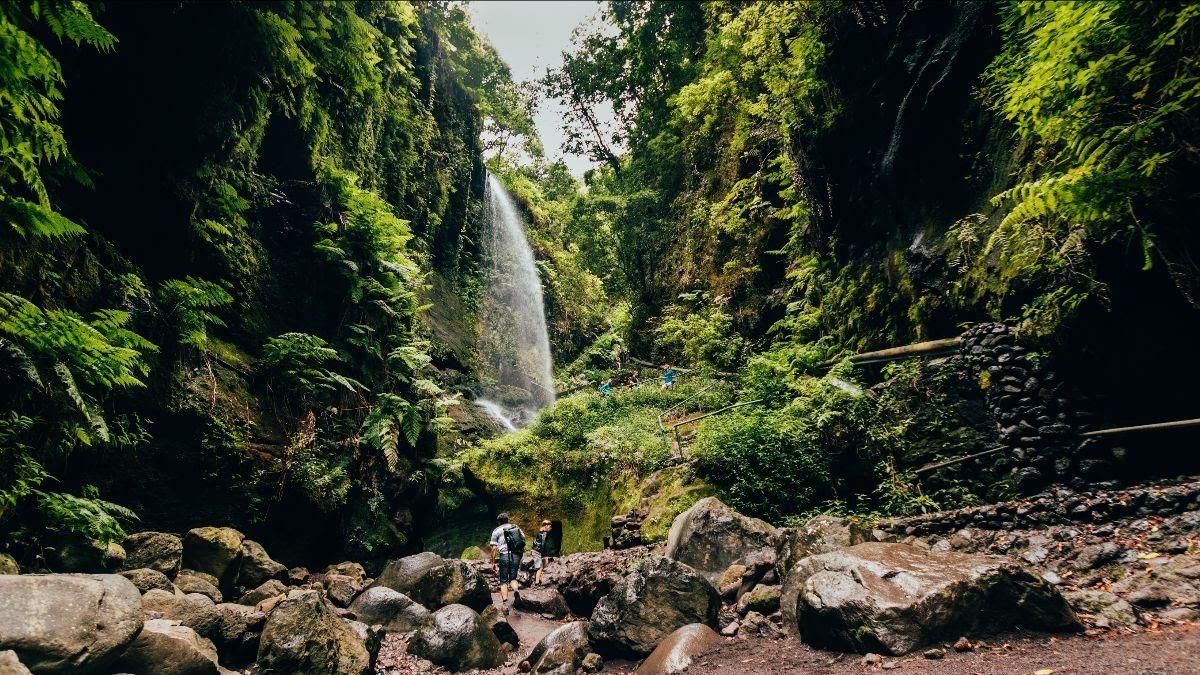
[(531, 37)]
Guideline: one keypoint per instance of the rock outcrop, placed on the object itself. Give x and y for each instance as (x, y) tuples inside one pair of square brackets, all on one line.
[(893, 598), (59, 623), (165, 647), (674, 654), (710, 537), (649, 604), (457, 638), (435, 582)]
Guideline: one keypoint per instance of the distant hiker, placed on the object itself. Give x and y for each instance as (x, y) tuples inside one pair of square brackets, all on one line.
[(605, 388), (541, 544), (634, 381), (668, 376), (618, 353), (508, 544)]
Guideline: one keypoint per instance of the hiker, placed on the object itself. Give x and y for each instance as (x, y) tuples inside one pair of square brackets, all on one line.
[(541, 544), (668, 376), (634, 381), (618, 353), (605, 388), (508, 544)]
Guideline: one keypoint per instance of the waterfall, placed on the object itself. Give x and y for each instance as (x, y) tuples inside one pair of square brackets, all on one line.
[(514, 346)]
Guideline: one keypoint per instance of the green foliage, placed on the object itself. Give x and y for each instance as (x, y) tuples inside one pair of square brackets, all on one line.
[(302, 362), (702, 333), (188, 303)]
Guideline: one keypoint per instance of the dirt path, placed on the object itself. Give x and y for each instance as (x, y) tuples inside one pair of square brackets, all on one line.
[(1170, 651)]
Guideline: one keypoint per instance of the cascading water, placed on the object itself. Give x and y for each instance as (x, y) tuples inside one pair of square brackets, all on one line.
[(513, 345)]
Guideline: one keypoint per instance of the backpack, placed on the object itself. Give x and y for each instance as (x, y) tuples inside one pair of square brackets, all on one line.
[(513, 540)]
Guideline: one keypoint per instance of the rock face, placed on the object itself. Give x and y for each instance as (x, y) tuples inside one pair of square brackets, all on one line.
[(302, 635), (458, 639), (434, 582), (159, 551), (649, 604), (58, 623), (256, 566), (393, 610), (165, 647), (893, 598), (710, 537), (674, 654), (542, 601), (562, 651), (213, 550)]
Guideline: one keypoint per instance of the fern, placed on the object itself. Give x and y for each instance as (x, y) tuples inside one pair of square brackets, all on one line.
[(188, 302)]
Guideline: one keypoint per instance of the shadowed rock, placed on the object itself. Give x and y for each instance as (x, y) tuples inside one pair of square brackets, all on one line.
[(391, 609), (562, 651), (214, 551), (435, 582), (457, 638), (649, 604), (303, 635), (165, 647)]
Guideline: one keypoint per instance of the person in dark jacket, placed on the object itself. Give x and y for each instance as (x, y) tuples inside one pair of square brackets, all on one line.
[(541, 548)]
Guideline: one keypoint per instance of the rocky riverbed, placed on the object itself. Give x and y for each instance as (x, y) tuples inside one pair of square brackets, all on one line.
[(1070, 571)]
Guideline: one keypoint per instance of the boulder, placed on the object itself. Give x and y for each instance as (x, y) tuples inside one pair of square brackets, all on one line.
[(213, 550), (237, 631), (165, 647), (256, 566), (499, 626), (341, 589), (457, 638), (755, 624), (822, 534), (159, 551), (349, 569), (894, 598), (11, 665), (763, 599), (434, 582), (542, 600), (393, 610), (146, 579), (91, 556), (649, 604), (584, 578), (562, 651), (58, 623), (193, 581), (8, 565), (195, 611), (371, 636), (1102, 608), (674, 654), (269, 589), (302, 635), (297, 576), (710, 537)]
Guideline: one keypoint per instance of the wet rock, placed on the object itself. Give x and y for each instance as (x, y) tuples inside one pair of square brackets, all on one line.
[(545, 601), (562, 651), (821, 534), (214, 551), (256, 566), (675, 654), (434, 582), (391, 609), (763, 599), (268, 589), (59, 623), (710, 536), (146, 579), (165, 647), (11, 665), (302, 635), (649, 604), (192, 581), (894, 598), (457, 638)]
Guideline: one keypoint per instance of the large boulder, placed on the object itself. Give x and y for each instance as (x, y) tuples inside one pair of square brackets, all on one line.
[(457, 638), (674, 654), (894, 598), (146, 579), (58, 623), (213, 550), (562, 651), (542, 600), (303, 635), (341, 589), (822, 534), (165, 647), (193, 581), (584, 578), (256, 566), (435, 582), (710, 537), (649, 604), (193, 610), (159, 551), (393, 610), (500, 626), (236, 633)]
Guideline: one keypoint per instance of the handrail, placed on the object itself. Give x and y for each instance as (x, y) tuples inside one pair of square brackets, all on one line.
[(928, 348), (1178, 424)]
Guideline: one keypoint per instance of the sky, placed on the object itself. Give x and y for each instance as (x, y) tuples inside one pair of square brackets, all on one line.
[(530, 37)]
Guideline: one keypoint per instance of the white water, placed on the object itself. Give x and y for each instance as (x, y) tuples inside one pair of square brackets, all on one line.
[(514, 346)]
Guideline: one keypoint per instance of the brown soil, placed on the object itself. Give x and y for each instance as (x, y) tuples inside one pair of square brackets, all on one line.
[(1171, 650)]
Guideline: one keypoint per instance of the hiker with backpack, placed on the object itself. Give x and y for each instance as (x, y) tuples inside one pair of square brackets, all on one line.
[(508, 545)]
